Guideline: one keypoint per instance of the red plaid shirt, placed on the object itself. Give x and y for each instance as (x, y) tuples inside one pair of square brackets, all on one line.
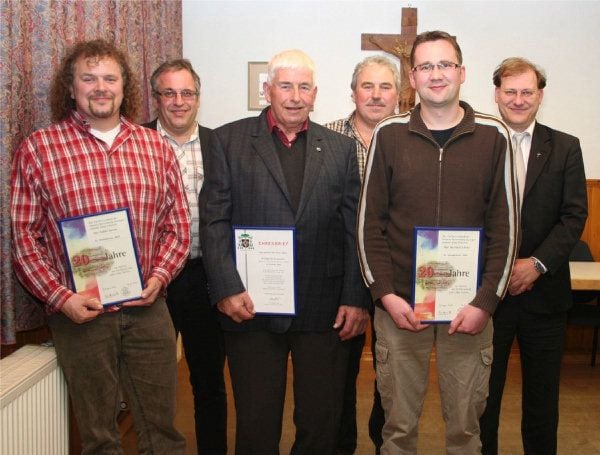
[(64, 171)]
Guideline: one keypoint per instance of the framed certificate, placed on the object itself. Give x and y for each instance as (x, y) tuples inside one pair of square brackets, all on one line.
[(265, 260), (445, 271), (101, 256)]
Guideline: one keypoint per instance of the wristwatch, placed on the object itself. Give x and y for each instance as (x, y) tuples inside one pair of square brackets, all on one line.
[(539, 267)]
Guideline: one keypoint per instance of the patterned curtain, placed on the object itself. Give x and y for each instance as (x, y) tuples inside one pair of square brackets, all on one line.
[(34, 35)]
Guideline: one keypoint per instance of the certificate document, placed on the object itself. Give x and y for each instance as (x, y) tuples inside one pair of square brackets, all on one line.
[(265, 260), (446, 271), (101, 256)]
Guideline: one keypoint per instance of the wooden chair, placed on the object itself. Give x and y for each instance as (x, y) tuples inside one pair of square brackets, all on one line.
[(584, 312)]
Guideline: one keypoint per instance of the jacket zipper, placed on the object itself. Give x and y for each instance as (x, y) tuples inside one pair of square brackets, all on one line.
[(438, 205), (439, 189)]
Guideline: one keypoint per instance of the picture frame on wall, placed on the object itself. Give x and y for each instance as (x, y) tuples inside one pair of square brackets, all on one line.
[(257, 76)]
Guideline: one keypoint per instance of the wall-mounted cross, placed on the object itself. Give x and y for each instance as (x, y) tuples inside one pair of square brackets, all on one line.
[(399, 46)]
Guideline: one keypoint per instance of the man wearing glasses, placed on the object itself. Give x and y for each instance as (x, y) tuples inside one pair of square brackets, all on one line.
[(176, 90), (553, 213), (439, 165)]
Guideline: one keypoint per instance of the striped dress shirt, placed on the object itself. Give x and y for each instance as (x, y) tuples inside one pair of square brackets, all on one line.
[(189, 157)]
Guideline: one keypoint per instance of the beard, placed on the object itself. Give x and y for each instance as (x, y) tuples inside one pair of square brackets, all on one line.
[(105, 110)]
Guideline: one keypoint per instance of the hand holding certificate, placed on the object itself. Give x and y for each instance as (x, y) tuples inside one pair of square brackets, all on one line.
[(101, 256), (265, 261), (446, 271)]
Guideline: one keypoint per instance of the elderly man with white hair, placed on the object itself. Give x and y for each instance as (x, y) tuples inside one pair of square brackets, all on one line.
[(281, 170)]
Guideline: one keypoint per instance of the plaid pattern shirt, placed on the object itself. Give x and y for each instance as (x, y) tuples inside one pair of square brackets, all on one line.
[(347, 128), (189, 157), (63, 171)]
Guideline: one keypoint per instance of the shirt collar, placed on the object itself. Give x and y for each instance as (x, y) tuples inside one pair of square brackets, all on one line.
[(349, 122), (352, 131), (80, 122), (272, 124), (165, 133), (529, 130)]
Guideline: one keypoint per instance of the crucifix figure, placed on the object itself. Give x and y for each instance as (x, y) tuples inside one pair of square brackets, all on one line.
[(399, 46)]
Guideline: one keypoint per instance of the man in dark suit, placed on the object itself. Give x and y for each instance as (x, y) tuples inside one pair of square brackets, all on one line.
[(176, 91), (281, 170), (553, 214)]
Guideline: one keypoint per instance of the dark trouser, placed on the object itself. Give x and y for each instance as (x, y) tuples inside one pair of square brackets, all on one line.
[(346, 440), (541, 339), (258, 366), (187, 299), (134, 349), (347, 436), (377, 417)]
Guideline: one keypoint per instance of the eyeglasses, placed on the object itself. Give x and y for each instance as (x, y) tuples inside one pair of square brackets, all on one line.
[(443, 66), (525, 94), (185, 93)]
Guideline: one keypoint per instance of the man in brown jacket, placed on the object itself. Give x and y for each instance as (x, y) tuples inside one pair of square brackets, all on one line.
[(440, 165)]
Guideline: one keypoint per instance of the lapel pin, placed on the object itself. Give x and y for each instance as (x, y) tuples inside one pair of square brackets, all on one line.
[(318, 149), (538, 154)]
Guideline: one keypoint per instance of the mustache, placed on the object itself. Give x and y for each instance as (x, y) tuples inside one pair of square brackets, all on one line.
[(376, 103), (102, 94)]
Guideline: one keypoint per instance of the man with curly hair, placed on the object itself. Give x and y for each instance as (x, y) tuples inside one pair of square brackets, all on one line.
[(94, 159)]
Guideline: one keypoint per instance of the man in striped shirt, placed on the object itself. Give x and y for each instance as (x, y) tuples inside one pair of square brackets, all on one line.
[(93, 159), (176, 90)]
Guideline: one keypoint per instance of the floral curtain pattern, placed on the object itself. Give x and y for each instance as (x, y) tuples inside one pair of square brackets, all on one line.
[(34, 35)]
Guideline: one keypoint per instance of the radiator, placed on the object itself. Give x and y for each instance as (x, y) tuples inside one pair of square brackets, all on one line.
[(34, 416)]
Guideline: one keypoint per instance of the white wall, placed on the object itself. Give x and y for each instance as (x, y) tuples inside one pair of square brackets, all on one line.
[(221, 37)]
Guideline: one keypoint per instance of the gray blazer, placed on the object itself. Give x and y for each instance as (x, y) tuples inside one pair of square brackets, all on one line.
[(245, 185)]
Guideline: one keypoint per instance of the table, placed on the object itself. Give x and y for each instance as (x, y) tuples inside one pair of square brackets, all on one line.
[(585, 275)]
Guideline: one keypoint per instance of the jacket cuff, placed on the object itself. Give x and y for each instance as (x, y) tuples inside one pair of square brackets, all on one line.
[(380, 288), (487, 300)]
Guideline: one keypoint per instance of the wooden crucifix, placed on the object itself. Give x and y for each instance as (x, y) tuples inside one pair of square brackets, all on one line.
[(399, 46)]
